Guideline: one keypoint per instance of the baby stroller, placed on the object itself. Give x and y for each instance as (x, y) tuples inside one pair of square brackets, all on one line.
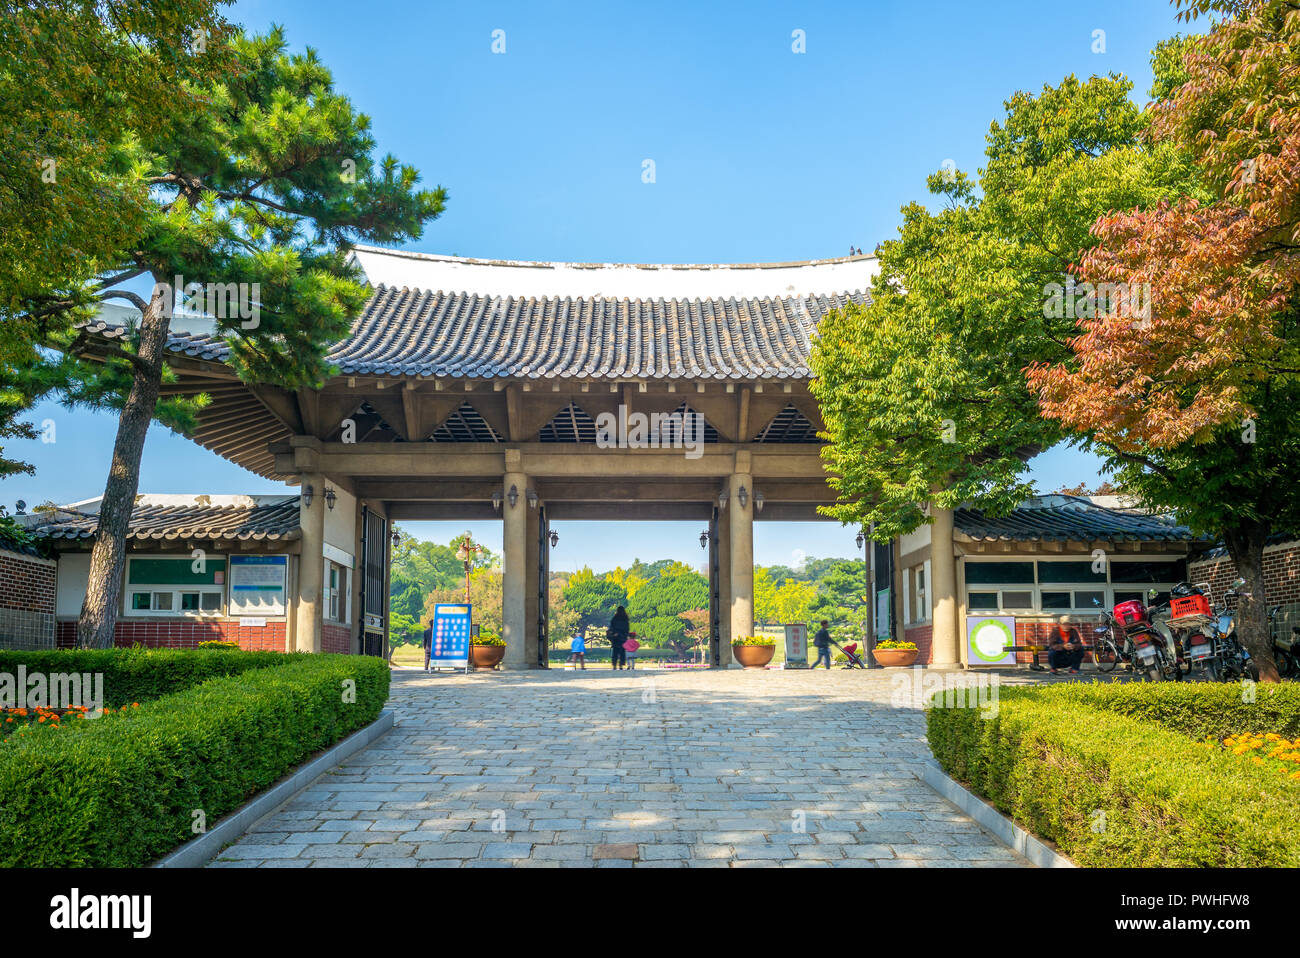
[(851, 653)]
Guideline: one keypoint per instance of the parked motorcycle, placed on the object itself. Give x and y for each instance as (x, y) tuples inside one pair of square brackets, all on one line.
[(1151, 650), (1230, 661)]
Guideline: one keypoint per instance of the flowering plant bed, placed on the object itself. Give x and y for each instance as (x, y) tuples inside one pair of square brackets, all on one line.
[(17, 722), (1263, 748)]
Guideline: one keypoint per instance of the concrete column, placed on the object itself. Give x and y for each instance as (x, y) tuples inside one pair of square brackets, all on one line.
[(899, 630), (514, 585), (741, 525), (944, 649), (311, 567), (724, 590), (532, 577)]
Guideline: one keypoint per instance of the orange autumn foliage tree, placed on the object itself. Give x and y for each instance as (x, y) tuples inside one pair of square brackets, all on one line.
[(1195, 399)]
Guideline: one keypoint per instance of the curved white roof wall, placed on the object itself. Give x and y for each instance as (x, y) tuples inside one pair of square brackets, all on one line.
[(524, 280)]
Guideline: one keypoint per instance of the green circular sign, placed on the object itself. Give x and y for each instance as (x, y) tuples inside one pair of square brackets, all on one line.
[(990, 639)]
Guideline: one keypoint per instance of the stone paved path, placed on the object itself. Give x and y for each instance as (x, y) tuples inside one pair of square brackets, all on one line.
[(630, 769)]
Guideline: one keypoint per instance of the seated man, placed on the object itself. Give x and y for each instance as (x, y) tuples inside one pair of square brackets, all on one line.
[(1064, 651)]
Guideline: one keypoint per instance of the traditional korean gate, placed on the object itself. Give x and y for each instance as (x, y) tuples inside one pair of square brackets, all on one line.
[(543, 589)]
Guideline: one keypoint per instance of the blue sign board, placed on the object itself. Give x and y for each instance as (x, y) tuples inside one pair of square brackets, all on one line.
[(451, 636)]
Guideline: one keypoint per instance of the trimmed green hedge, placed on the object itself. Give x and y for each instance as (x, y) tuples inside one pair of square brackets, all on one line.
[(1197, 709), (142, 675), (121, 791), (1057, 766)]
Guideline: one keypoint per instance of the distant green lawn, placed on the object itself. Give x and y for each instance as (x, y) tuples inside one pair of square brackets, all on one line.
[(413, 655)]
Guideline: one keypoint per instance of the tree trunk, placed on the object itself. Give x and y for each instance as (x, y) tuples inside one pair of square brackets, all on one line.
[(1245, 544), (104, 586)]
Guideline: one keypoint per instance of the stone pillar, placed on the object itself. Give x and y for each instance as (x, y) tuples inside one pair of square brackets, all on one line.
[(724, 590), (311, 567), (944, 649), (514, 585), (532, 577), (741, 559)]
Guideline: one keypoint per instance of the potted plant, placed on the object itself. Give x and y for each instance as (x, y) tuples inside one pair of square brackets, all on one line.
[(753, 651), (890, 653), (487, 651)]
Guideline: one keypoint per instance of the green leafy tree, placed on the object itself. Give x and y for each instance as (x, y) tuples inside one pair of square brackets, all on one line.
[(419, 568), (668, 597), (81, 85), (1195, 404), (794, 601), (665, 632), (840, 591), (563, 620), (259, 188), (593, 599), (923, 391), (485, 594)]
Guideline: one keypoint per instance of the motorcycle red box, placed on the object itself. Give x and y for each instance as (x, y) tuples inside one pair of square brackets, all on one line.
[(1189, 610), (1131, 613)]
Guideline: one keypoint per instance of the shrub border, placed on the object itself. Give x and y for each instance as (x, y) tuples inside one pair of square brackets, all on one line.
[(197, 852)]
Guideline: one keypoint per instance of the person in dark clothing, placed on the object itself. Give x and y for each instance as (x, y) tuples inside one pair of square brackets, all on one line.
[(823, 642), (428, 644), (1064, 650), (619, 627)]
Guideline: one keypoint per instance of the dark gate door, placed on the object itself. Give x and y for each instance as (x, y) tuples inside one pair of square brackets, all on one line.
[(715, 593), (543, 590), (374, 583)]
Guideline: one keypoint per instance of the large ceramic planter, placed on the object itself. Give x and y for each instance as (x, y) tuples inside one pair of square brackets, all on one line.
[(891, 658), (753, 656), (486, 656)]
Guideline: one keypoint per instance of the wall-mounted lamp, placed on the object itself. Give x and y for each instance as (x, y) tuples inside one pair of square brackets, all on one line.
[(307, 493), (532, 498), (704, 539), (555, 538), (496, 500), (330, 498), (758, 501), (513, 496), (743, 496), (860, 539), (722, 500), (397, 537)]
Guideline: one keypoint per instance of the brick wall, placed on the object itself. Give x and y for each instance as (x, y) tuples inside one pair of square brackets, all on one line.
[(1281, 580), (921, 635), (1039, 631), (185, 634), (1281, 573), (27, 587), (336, 638)]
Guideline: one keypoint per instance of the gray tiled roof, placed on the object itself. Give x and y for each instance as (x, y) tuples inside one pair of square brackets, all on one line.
[(262, 522), (404, 332), (1063, 518)]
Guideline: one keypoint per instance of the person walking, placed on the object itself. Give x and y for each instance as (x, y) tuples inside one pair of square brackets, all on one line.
[(578, 650), (629, 650), (823, 642), (428, 644), (618, 633)]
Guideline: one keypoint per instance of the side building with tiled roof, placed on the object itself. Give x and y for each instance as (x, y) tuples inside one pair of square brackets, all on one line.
[(1055, 561), (202, 568)]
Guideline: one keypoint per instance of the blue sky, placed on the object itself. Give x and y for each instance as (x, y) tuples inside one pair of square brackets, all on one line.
[(760, 153)]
